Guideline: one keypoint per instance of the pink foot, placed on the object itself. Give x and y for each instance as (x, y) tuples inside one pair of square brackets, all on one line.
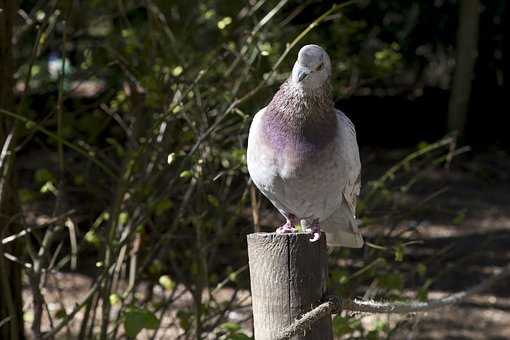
[(315, 230), (288, 227)]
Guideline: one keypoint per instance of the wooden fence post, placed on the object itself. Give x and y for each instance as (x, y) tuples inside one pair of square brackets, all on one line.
[(288, 276)]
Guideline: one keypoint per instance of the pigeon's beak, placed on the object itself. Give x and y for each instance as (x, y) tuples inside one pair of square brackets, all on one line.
[(302, 74)]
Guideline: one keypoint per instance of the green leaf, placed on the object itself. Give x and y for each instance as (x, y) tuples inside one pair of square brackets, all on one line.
[(162, 207), (224, 22), (60, 314), (233, 332), (49, 187), (28, 316), (380, 326), (167, 282), (184, 319), (399, 253), (123, 218), (105, 216), (213, 201), (119, 149), (171, 158), (26, 196), (391, 281), (114, 299), (78, 179), (422, 145), (232, 276), (30, 125), (136, 319), (422, 294), (421, 269), (92, 237), (340, 276), (185, 174), (44, 175), (372, 335), (156, 267), (238, 336), (231, 327), (177, 71), (343, 325), (460, 217)]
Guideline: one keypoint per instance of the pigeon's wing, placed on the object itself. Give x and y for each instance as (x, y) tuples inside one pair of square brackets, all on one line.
[(256, 158), (351, 157), (341, 226)]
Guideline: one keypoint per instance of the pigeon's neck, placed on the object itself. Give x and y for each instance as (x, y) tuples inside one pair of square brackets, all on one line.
[(305, 120)]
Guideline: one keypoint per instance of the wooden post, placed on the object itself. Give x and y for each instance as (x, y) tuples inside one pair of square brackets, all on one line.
[(288, 276)]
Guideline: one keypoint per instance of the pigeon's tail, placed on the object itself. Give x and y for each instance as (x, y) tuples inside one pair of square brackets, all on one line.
[(341, 229)]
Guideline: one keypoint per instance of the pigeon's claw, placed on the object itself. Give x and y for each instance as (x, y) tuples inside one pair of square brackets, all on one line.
[(315, 230), (288, 227), (315, 237)]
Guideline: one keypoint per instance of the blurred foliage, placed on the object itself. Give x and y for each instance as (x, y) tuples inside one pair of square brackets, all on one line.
[(157, 97)]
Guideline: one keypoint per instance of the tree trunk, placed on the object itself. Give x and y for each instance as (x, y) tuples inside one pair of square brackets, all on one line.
[(467, 43), (506, 48), (11, 313)]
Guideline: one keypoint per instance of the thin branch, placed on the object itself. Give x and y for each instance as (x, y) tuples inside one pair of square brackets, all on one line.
[(5, 321), (32, 124), (335, 305), (28, 230), (65, 321)]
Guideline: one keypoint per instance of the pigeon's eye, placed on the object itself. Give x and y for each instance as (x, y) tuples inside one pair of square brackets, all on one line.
[(319, 67)]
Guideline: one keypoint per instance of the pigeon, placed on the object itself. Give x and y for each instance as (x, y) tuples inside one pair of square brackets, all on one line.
[(303, 155)]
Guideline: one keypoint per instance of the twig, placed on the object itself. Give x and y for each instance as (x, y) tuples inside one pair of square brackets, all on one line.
[(4, 321), (390, 174), (336, 305), (28, 230), (65, 321), (255, 208)]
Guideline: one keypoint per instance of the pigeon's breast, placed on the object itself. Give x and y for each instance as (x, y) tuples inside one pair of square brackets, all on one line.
[(305, 173), (312, 186), (296, 143)]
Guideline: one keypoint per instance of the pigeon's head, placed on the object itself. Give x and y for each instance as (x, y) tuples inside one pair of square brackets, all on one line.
[(312, 68)]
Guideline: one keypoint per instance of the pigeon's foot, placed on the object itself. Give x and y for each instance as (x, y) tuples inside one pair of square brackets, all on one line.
[(315, 230), (288, 227)]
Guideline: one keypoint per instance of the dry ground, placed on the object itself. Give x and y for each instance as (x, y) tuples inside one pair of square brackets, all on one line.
[(466, 238)]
